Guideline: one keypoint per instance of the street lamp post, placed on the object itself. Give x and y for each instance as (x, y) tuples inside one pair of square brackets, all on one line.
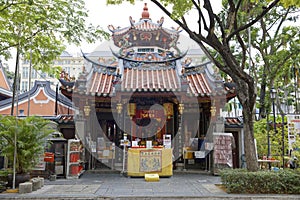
[(282, 138), (273, 96), (269, 145)]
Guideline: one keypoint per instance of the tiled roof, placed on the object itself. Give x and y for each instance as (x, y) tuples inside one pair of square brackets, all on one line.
[(234, 122), (198, 85), (147, 25), (61, 118), (150, 80), (101, 84), (34, 90), (66, 119), (142, 25)]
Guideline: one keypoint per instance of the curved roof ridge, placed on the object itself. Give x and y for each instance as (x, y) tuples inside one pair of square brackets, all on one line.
[(38, 84)]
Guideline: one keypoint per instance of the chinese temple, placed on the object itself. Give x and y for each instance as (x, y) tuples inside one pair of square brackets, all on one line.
[(147, 88)]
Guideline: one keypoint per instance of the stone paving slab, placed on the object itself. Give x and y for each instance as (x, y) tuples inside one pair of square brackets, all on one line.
[(67, 189), (117, 187)]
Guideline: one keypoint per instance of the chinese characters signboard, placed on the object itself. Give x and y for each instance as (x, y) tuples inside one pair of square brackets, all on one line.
[(150, 160)]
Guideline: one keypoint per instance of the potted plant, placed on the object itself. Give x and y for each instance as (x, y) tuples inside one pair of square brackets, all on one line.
[(30, 134)]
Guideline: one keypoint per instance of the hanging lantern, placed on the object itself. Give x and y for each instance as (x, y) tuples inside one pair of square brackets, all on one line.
[(180, 108), (119, 108), (213, 109), (131, 109), (168, 109), (87, 110)]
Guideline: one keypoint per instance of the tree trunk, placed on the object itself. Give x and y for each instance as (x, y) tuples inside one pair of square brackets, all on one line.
[(245, 89), (246, 95), (250, 152)]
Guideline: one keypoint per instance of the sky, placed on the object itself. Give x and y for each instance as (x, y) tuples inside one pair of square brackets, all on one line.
[(118, 15)]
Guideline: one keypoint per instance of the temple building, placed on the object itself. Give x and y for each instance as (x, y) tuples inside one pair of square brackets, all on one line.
[(148, 85)]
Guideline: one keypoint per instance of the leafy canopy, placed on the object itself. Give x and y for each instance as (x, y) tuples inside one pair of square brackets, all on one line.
[(43, 27)]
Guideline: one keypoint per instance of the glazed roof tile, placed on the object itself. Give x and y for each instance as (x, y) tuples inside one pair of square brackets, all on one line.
[(233, 122), (198, 85), (101, 84), (150, 80)]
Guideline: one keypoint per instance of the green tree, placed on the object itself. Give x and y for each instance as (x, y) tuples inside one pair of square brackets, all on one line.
[(30, 134), (224, 34), (261, 131), (276, 50), (40, 29)]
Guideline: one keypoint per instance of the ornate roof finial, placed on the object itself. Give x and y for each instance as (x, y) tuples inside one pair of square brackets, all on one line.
[(145, 13)]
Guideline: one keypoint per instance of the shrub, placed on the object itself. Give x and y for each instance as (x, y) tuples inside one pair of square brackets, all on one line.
[(30, 134), (261, 182)]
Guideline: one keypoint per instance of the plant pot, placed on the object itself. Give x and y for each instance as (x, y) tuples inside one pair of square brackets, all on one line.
[(20, 178)]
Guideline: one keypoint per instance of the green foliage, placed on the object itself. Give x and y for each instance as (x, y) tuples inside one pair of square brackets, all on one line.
[(261, 135), (276, 41), (178, 7), (261, 182), (4, 173), (115, 2), (288, 3), (43, 27), (296, 148), (285, 3), (30, 133), (9, 74)]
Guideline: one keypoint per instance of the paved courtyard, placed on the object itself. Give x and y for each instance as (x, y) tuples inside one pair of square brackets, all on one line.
[(116, 186)]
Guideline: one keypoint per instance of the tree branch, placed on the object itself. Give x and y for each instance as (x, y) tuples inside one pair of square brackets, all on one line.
[(210, 12), (201, 16), (261, 15), (16, 44), (273, 48), (281, 22), (12, 4), (238, 36), (181, 24)]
